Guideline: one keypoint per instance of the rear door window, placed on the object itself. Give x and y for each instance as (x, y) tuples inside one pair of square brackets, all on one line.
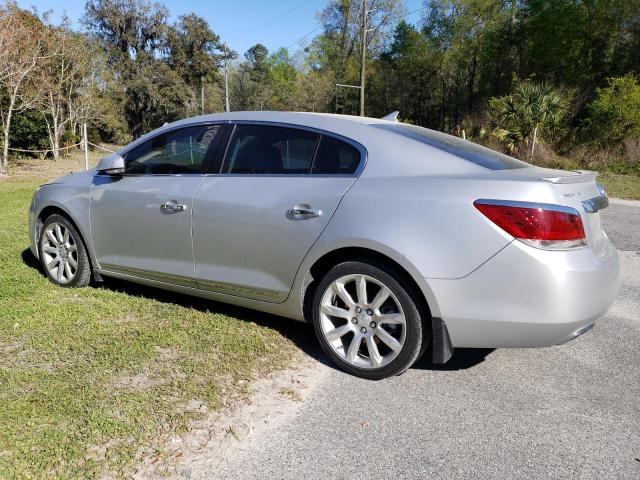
[(261, 149)]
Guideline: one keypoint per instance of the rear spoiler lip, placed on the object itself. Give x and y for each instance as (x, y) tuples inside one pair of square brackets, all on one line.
[(582, 177)]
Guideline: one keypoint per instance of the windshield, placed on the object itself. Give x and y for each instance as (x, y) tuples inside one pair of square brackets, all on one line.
[(472, 152)]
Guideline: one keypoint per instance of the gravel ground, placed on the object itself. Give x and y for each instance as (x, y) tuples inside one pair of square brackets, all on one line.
[(570, 411)]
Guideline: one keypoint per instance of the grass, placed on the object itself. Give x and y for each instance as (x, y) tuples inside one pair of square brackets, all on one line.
[(621, 186), (92, 378)]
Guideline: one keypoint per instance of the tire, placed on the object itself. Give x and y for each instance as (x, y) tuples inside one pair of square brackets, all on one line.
[(341, 319), (63, 254)]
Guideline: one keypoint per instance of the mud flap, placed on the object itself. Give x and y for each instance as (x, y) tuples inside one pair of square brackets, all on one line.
[(442, 349)]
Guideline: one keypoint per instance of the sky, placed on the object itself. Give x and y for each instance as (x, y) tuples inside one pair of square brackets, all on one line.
[(240, 23)]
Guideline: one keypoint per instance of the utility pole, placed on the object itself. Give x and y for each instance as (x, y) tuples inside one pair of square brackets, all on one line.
[(364, 54), (226, 80)]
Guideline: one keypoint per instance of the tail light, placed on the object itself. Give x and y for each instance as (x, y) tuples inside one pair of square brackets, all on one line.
[(551, 227)]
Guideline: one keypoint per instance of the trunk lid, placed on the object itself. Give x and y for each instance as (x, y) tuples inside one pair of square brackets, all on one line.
[(578, 189), (574, 188)]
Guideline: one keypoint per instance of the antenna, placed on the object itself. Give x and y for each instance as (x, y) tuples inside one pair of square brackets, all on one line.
[(392, 117)]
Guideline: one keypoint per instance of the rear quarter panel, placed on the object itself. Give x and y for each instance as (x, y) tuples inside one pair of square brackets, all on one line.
[(429, 220)]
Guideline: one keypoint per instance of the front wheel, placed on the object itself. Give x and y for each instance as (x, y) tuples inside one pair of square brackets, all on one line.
[(62, 253), (366, 320)]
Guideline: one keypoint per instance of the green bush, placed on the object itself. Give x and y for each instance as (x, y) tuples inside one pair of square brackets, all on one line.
[(614, 115), (533, 113), (29, 132)]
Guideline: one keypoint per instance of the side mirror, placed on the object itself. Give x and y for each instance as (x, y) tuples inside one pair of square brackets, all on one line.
[(111, 165)]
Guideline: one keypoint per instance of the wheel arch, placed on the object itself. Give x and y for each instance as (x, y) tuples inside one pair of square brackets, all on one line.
[(439, 335), (54, 209), (329, 259), (342, 254)]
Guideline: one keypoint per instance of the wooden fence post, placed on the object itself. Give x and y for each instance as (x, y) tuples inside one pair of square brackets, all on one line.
[(86, 146)]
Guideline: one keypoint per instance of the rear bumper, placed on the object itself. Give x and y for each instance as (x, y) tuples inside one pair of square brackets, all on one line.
[(526, 297)]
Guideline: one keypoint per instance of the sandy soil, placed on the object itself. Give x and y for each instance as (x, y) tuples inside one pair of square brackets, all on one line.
[(214, 445)]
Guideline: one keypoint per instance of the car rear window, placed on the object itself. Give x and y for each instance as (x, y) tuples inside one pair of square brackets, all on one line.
[(472, 152), (335, 157)]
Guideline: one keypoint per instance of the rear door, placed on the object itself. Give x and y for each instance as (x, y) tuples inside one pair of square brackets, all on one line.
[(255, 220), (141, 221)]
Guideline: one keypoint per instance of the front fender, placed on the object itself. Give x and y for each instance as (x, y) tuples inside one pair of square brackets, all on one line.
[(71, 197)]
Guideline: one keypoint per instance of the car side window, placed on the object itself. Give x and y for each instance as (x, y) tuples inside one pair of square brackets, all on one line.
[(335, 157), (260, 149), (177, 152)]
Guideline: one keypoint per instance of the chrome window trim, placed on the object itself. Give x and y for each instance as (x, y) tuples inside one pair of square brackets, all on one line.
[(535, 205), (101, 174), (358, 146), (136, 143), (364, 154)]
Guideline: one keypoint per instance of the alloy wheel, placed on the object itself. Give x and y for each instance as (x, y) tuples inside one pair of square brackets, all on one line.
[(60, 253), (362, 321)]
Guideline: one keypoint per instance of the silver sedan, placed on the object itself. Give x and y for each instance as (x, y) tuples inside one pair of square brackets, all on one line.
[(391, 239)]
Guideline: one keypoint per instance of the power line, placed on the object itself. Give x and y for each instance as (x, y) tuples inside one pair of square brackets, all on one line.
[(305, 35), (320, 27), (410, 13), (271, 22)]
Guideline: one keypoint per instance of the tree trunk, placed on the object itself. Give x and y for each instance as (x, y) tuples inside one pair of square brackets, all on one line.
[(4, 165), (202, 95), (443, 106), (533, 143), (472, 80), (55, 144), (5, 148)]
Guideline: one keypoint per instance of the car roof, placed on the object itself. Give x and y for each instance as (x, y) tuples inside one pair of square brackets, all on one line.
[(398, 151), (345, 125)]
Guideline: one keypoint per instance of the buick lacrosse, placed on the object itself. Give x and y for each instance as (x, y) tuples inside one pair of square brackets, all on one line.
[(391, 239)]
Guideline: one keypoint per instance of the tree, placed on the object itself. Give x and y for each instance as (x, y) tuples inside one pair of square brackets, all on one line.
[(404, 78), (133, 33), (194, 52), (462, 32), (21, 50), (284, 81), (615, 112), (579, 43), (533, 111), (68, 82), (336, 50), (252, 89), (315, 89)]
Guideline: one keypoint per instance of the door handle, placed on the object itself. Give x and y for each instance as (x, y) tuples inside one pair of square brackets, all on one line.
[(304, 211), (172, 206)]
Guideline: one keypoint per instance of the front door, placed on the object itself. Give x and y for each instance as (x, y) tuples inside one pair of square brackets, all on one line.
[(254, 223), (141, 221)]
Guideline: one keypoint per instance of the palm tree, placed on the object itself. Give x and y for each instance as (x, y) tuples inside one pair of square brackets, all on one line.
[(531, 112)]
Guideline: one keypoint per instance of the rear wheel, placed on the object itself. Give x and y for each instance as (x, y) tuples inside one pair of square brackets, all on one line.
[(62, 253), (366, 320)]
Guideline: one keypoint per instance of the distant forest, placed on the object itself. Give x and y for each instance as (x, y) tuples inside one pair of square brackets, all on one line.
[(555, 82)]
